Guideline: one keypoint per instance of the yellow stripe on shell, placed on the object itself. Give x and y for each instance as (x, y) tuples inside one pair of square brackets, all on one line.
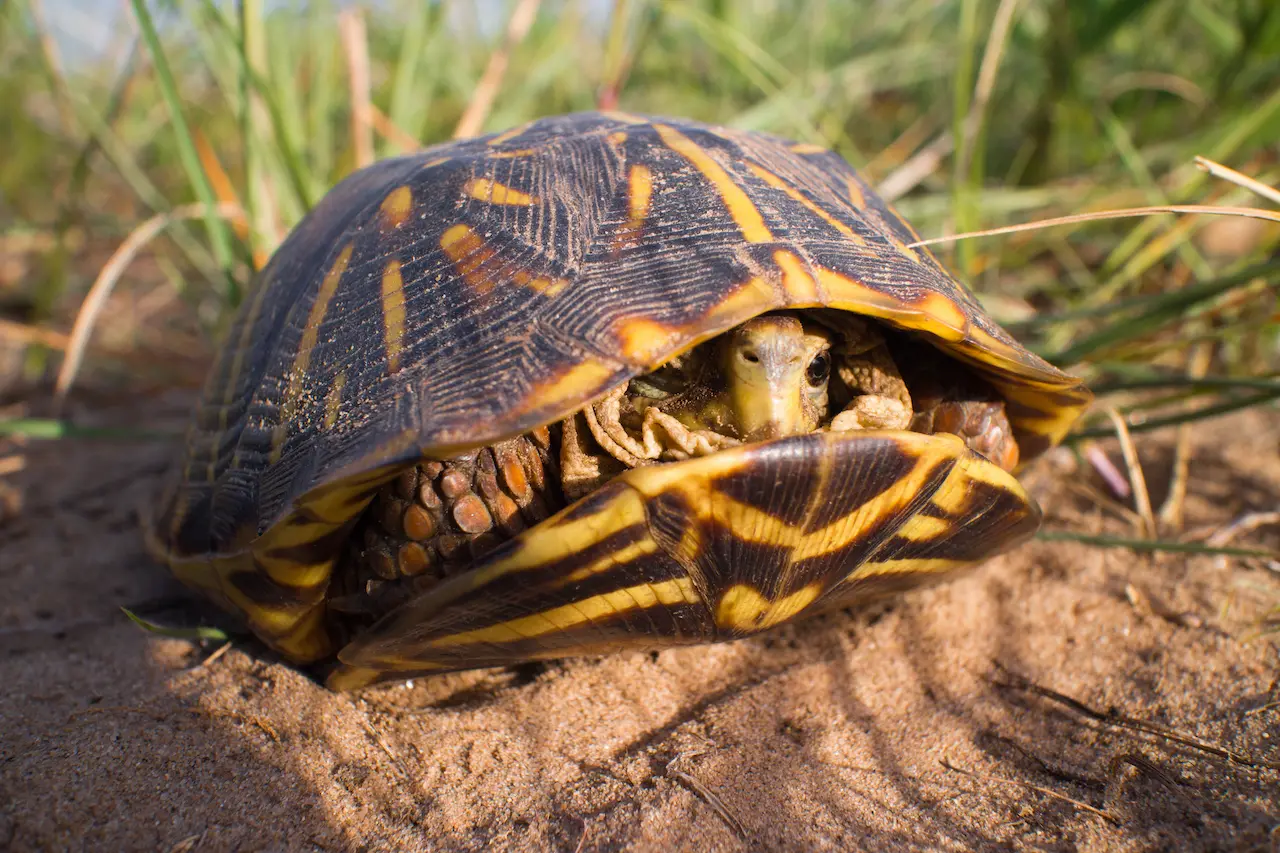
[(754, 296), (856, 196), (396, 207), (645, 341), (568, 616), (483, 189), (743, 608), (557, 539), (922, 528), (744, 213), (808, 148), (333, 400), (935, 313), (797, 280), (625, 118), (513, 154), (393, 314), (933, 565), (561, 393), (639, 195), (508, 135), (310, 335), (795, 195)]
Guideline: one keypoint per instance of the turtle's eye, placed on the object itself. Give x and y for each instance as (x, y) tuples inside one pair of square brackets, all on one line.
[(819, 369)]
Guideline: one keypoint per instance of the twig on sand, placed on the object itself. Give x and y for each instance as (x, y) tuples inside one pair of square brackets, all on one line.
[(1048, 792), (1111, 717), (707, 795), (222, 650)]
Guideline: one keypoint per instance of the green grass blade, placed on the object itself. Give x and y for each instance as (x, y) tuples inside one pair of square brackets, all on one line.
[(219, 232)]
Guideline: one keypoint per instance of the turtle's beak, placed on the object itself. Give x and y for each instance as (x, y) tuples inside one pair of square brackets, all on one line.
[(765, 368)]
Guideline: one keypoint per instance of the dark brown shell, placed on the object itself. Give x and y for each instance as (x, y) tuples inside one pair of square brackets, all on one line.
[(446, 300)]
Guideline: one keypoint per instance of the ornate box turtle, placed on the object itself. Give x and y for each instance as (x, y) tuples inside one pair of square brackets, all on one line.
[(599, 382)]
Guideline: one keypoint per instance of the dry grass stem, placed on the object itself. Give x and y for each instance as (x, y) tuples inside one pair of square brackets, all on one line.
[(486, 91), (1114, 719), (1244, 524), (355, 45), (388, 129), (707, 795), (1171, 511), (1121, 213), (12, 465), (996, 41), (921, 165), (1110, 818), (1141, 497), (1226, 173), (25, 334), (96, 299), (1107, 470)]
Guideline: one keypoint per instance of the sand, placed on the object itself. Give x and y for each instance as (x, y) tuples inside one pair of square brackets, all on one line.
[(893, 730)]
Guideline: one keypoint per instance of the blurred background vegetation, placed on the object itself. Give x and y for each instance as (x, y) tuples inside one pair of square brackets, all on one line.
[(195, 133)]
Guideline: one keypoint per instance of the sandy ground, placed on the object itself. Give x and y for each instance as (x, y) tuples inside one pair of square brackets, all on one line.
[(835, 734)]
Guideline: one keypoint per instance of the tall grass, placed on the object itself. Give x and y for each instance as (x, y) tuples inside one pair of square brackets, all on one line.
[(977, 112)]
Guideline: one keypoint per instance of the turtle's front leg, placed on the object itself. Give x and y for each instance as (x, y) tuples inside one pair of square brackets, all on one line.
[(881, 399)]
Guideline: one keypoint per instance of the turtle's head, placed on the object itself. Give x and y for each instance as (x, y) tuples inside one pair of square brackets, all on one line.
[(776, 369)]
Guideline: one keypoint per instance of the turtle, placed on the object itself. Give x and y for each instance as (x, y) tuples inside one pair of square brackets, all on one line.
[(596, 383)]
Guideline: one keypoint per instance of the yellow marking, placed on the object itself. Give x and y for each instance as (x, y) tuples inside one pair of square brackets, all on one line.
[(509, 135), (308, 640), (798, 282), (742, 608), (625, 118), (843, 292), (557, 619), (639, 197), (580, 382), (856, 195), (942, 310), (294, 574), (333, 400), (646, 342), (396, 207), (513, 154), (922, 528), (809, 148), (493, 192), (469, 255), (617, 137), (744, 213), (1009, 358), (906, 251), (393, 314), (625, 555), (933, 565), (476, 262), (640, 185), (306, 346), (795, 195), (752, 297), (345, 678)]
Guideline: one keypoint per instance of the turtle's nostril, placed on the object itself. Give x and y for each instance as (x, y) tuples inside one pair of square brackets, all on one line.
[(750, 357)]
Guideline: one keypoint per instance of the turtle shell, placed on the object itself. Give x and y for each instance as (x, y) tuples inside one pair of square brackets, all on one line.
[(443, 301)]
